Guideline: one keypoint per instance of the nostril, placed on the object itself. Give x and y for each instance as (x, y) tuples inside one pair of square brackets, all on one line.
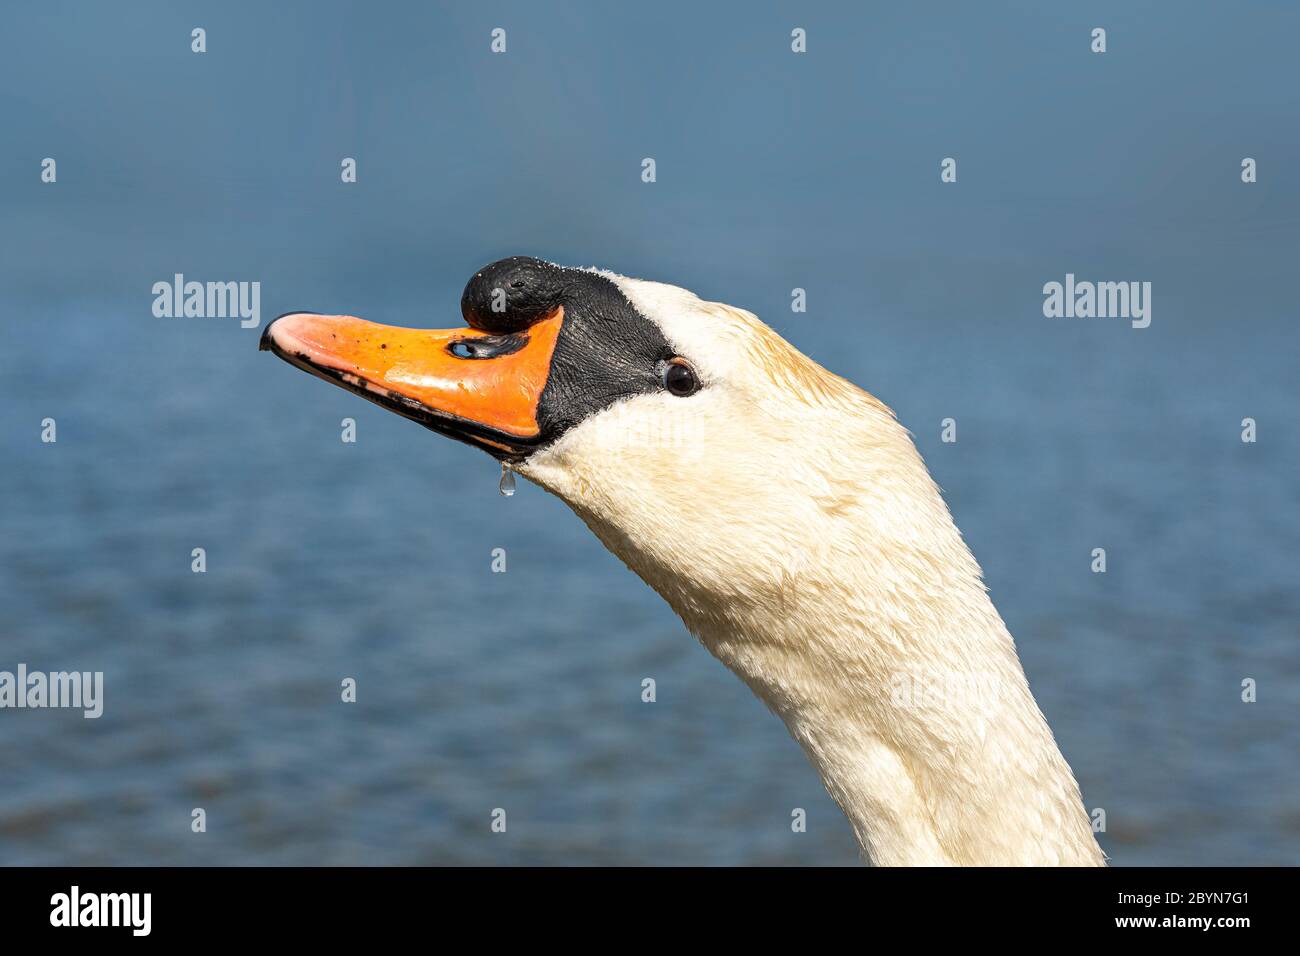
[(487, 346)]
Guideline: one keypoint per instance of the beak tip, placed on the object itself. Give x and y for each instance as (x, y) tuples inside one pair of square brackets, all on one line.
[(267, 340), (266, 343)]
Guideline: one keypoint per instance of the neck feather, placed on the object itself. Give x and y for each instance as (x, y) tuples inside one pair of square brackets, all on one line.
[(920, 722), (809, 550), (899, 679), (923, 730), (879, 648)]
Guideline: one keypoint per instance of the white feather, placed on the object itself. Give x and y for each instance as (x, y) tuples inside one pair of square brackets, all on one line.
[(788, 519)]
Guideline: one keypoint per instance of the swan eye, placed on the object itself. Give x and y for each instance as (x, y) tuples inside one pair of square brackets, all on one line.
[(679, 378)]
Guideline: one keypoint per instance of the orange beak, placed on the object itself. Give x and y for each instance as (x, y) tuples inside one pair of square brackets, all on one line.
[(468, 384)]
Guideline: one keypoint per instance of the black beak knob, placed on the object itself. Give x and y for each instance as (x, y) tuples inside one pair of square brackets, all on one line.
[(511, 294)]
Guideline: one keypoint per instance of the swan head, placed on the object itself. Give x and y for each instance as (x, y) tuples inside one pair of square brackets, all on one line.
[(782, 512), (709, 454)]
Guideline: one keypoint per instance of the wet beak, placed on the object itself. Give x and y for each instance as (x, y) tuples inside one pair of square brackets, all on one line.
[(480, 388)]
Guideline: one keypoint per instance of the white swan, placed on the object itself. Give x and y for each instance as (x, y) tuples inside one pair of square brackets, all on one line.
[(781, 511)]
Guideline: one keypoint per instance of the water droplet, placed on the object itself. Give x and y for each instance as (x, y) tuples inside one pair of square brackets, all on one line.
[(507, 485)]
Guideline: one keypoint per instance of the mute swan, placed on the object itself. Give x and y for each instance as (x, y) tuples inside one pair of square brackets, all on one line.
[(782, 512)]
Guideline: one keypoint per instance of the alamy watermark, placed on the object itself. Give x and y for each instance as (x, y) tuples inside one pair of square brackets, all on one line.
[(208, 300), (38, 689), (1098, 300), (974, 693), (75, 908)]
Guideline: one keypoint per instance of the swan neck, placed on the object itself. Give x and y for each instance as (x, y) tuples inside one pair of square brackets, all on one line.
[(923, 729)]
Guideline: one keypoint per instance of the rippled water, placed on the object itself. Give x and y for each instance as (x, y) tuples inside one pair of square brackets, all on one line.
[(775, 171), (521, 690)]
